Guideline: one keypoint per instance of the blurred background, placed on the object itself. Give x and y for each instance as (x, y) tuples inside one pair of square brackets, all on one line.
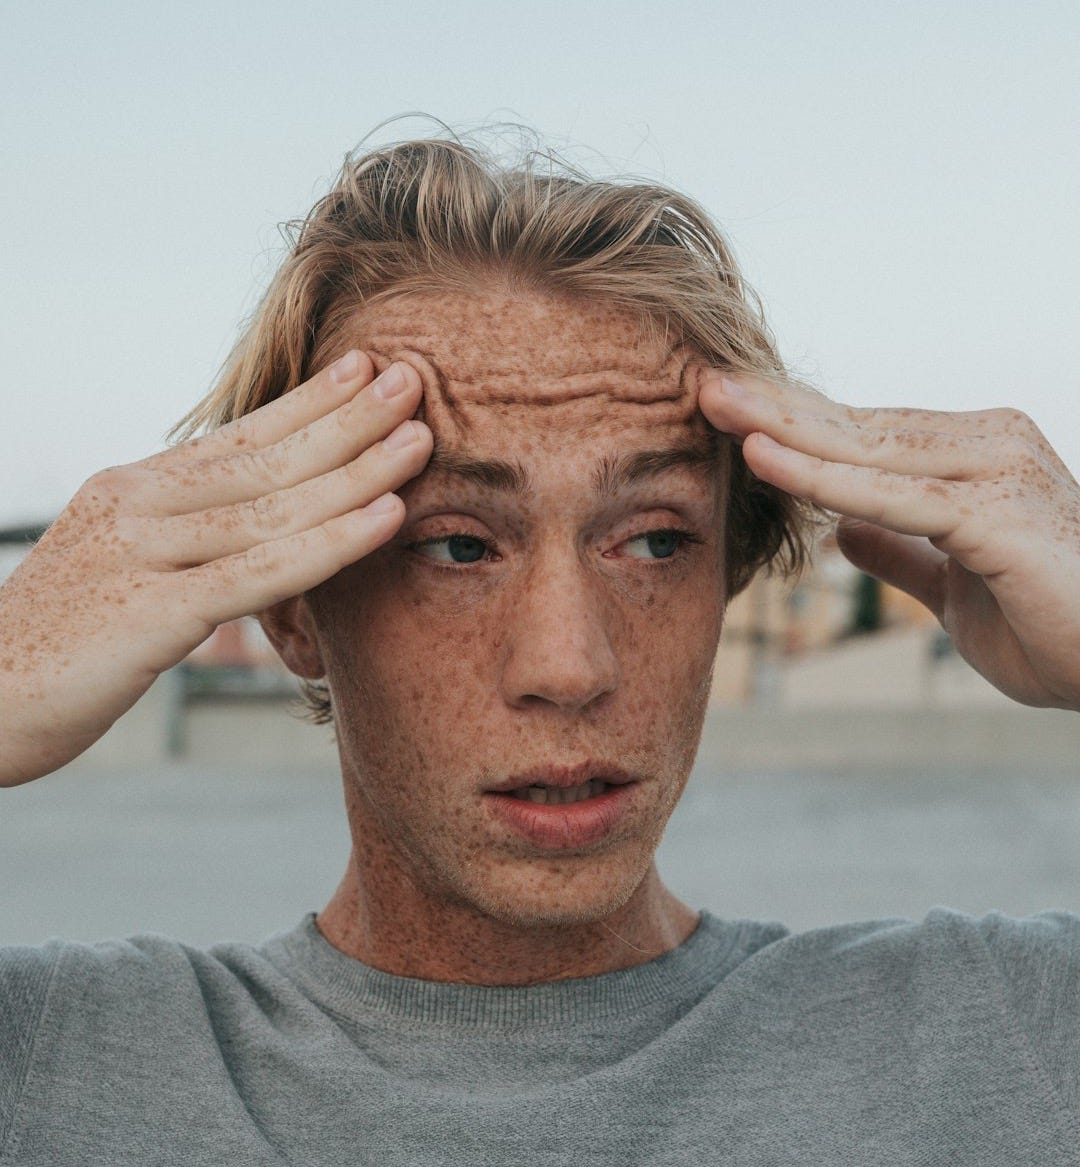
[(900, 183)]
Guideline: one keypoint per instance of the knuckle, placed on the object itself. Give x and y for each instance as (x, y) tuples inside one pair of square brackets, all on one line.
[(267, 465), (126, 533), (101, 515), (260, 561), (269, 512), (344, 418), (871, 439), (1017, 449), (348, 417), (860, 415), (1023, 455), (109, 486), (1014, 421), (1014, 442)]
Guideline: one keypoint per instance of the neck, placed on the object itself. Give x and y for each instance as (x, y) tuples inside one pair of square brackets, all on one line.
[(454, 941)]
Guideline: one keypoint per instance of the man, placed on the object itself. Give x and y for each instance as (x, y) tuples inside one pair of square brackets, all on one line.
[(491, 458)]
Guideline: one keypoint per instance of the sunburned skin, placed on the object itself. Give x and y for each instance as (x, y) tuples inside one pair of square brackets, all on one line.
[(564, 440)]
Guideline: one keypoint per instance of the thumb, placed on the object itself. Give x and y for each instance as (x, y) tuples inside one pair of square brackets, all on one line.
[(908, 562)]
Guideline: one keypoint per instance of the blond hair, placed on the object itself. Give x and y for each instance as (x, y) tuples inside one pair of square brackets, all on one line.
[(438, 213)]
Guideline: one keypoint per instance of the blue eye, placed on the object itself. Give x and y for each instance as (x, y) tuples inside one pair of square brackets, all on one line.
[(662, 543), (454, 549), (655, 544)]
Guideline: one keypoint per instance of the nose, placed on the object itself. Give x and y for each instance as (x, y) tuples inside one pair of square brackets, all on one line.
[(557, 647)]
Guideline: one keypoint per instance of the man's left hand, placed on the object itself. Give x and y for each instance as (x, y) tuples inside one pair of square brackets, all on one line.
[(973, 514)]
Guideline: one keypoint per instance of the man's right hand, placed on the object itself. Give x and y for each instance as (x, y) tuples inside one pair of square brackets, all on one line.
[(148, 559)]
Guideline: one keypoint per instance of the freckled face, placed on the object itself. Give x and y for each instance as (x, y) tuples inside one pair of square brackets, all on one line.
[(553, 600)]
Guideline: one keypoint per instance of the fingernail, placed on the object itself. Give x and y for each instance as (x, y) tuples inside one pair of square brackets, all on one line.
[(403, 436), (383, 505), (732, 388), (345, 368), (391, 382)]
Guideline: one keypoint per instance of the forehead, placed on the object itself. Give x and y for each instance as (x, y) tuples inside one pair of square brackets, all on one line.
[(528, 364)]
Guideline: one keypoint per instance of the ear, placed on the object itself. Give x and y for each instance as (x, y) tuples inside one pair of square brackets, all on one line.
[(291, 630)]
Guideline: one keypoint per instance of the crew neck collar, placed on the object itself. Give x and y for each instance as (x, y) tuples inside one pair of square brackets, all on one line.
[(355, 990)]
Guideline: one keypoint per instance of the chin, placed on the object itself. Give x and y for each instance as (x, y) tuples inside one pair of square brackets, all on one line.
[(559, 893)]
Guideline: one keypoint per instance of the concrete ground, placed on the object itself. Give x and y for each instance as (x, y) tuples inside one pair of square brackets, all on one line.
[(206, 850)]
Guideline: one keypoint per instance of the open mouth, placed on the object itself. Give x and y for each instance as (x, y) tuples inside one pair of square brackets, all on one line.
[(560, 796), (561, 808)]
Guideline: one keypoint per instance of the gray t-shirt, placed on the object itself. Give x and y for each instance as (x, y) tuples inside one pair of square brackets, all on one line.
[(951, 1041)]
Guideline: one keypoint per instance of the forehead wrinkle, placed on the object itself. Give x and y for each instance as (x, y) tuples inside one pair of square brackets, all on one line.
[(482, 385), (438, 409), (509, 377), (613, 384)]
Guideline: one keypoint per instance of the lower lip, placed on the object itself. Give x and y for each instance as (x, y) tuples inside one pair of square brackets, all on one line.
[(564, 826)]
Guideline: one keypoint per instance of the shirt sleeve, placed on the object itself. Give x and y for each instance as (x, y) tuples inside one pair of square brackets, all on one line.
[(25, 977), (1037, 959)]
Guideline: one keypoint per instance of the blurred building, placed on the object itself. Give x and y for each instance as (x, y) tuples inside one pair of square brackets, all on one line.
[(775, 627)]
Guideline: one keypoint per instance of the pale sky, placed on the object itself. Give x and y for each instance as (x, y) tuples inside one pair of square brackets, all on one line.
[(900, 180)]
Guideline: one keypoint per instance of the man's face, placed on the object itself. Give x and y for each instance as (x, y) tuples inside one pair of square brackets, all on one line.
[(547, 616)]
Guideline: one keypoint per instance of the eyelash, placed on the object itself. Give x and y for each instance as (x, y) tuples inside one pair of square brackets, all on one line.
[(435, 540), (685, 540)]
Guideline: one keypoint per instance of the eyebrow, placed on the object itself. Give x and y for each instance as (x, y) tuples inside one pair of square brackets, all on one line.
[(619, 473), (491, 473), (614, 473)]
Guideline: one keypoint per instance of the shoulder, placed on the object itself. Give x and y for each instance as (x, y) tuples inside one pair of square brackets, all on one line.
[(147, 1005), (949, 937), (1015, 949), (26, 975), (974, 980), (142, 984), (1034, 963), (63, 992), (144, 960), (1025, 971), (68, 977)]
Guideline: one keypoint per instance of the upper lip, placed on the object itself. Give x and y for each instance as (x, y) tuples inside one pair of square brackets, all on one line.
[(564, 777)]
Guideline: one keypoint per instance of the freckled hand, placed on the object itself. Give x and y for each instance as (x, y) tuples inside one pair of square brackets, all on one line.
[(149, 558), (974, 514)]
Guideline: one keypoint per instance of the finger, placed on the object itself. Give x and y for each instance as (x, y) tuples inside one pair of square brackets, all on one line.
[(319, 395), (977, 455), (907, 562), (907, 504), (189, 540), (731, 404), (269, 572), (323, 445)]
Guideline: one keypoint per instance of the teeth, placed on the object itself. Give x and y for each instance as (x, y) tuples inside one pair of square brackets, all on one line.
[(555, 796)]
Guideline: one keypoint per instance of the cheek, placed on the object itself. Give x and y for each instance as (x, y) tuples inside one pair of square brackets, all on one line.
[(667, 673), (674, 615), (670, 650), (414, 662), (404, 664)]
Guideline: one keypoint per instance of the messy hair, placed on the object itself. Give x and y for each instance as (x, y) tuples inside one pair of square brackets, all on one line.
[(441, 213)]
